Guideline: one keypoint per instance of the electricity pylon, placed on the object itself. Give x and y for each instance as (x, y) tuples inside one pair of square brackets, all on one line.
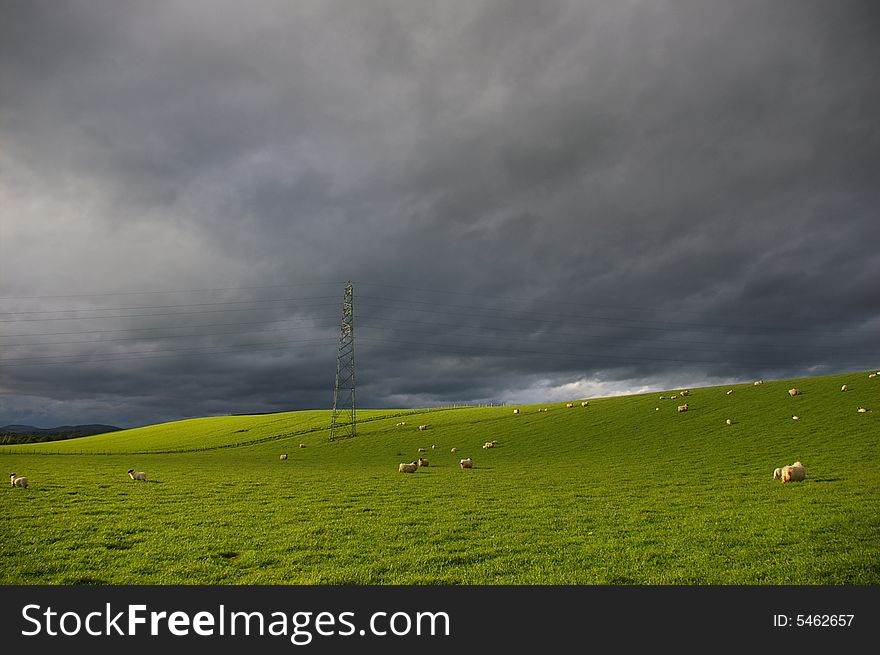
[(342, 426)]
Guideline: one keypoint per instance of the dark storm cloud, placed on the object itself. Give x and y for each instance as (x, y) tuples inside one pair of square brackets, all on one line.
[(534, 200)]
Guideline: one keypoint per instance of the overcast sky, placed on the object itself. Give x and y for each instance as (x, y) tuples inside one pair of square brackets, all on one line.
[(534, 200)]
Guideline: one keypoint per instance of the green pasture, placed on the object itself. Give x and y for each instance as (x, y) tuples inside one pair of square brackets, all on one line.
[(618, 492)]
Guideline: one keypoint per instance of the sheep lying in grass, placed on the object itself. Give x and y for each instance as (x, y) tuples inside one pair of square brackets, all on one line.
[(282, 456), (423, 427), (872, 375), (683, 408), (793, 473), (759, 382), (861, 410), (412, 467), (137, 475), (729, 391), (466, 463), (794, 392), (16, 480), (397, 425), (795, 418)]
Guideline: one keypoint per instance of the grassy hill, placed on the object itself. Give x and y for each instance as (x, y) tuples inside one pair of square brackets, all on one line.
[(624, 491)]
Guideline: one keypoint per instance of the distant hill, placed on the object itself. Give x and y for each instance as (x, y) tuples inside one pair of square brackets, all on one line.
[(16, 434)]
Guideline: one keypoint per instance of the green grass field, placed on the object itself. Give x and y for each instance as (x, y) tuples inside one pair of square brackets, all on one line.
[(614, 493)]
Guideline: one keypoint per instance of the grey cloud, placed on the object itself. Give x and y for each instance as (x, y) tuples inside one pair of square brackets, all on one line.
[(624, 179)]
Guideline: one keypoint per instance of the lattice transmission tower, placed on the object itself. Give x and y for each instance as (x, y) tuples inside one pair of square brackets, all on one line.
[(343, 423)]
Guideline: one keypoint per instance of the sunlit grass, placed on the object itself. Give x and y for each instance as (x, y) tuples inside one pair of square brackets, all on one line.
[(614, 493)]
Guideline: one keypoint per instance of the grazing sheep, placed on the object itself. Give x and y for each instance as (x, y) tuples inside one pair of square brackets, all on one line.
[(488, 444), (423, 427), (283, 456), (516, 411), (421, 450), (433, 446), (795, 418), (466, 463), (673, 397), (454, 450), (16, 480), (585, 403), (759, 382), (844, 388), (794, 392), (137, 475), (793, 473), (423, 461), (569, 405), (872, 375), (412, 467), (683, 408), (685, 393), (662, 397), (777, 473), (302, 445), (729, 391), (729, 422), (861, 410)]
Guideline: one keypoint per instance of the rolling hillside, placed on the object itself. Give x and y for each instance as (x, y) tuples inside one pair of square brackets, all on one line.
[(625, 491)]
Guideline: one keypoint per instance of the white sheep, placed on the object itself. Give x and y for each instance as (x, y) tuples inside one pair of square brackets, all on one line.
[(466, 463), (777, 473), (137, 475), (516, 411), (423, 461), (488, 444), (283, 456), (759, 382), (423, 427), (844, 388), (794, 392), (16, 480), (872, 375), (656, 409), (673, 397), (412, 467), (795, 418), (729, 422), (729, 391), (685, 393), (421, 450), (861, 410), (662, 397), (585, 403), (569, 405), (302, 445), (793, 473), (454, 450), (397, 425), (683, 408)]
